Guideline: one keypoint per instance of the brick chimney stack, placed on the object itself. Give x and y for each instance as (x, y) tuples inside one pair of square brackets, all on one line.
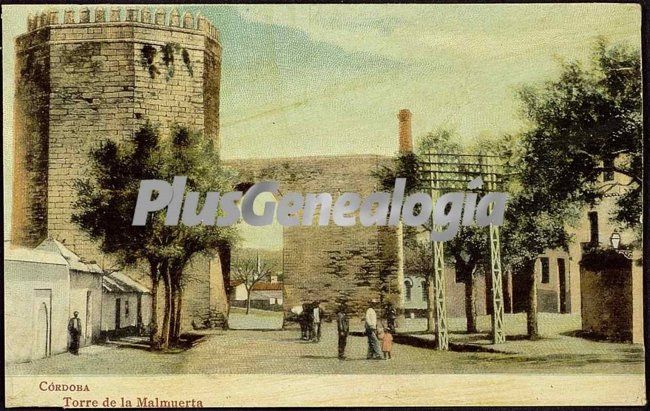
[(405, 135)]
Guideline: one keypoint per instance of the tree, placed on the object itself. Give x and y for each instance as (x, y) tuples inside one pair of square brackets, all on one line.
[(468, 250), (108, 194), (584, 123), (533, 224), (250, 272), (188, 154), (470, 253)]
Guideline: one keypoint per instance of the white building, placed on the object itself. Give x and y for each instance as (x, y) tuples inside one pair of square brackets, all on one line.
[(270, 293), (126, 305), (36, 292), (85, 290)]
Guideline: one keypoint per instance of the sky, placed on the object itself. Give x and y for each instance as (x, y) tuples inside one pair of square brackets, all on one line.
[(330, 79)]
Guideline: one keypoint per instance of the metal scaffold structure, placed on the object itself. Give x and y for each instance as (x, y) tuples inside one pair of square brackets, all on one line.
[(451, 172)]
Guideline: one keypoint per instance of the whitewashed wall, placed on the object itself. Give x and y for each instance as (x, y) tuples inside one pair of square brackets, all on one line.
[(22, 279), (108, 310), (80, 284)]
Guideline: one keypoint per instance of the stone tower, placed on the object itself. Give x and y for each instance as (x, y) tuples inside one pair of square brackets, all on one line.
[(92, 76), (83, 77)]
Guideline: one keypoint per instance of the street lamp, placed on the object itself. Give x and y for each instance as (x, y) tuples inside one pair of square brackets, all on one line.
[(615, 240)]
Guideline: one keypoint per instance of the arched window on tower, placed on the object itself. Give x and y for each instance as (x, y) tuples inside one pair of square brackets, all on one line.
[(408, 287), (425, 294)]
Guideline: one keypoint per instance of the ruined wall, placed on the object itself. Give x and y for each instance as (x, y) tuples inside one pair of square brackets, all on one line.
[(330, 263), (86, 77), (607, 302)]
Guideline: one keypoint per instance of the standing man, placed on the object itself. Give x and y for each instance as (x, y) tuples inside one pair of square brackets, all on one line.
[(343, 326), (300, 317), (374, 350), (318, 312), (74, 328), (309, 320)]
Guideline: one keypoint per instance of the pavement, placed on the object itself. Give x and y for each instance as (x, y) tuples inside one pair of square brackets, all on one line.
[(559, 340), (255, 320), (514, 324), (282, 352), (572, 349)]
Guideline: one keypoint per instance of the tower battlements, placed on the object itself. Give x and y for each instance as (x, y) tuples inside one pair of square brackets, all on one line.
[(101, 16)]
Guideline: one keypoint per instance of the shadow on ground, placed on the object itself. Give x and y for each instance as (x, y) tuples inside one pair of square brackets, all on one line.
[(567, 360), (592, 336)]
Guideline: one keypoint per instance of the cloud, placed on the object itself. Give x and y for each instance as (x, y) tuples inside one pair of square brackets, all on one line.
[(328, 79), (416, 32)]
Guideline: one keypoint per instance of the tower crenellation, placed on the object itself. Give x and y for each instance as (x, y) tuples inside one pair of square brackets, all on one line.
[(111, 15), (84, 15)]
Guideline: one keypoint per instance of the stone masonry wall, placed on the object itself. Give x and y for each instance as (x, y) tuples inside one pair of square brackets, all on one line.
[(211, 70), (607, 302), (330, 263), (31, 127)]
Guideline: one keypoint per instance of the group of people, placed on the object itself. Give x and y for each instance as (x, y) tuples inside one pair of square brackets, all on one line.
[(310, 319), (379, 334)]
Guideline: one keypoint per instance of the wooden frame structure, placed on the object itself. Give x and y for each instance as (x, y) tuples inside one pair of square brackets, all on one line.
[(446, 172)]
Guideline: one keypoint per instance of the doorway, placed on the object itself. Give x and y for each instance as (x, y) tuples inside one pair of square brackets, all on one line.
[(89, 318), (42, 330), (118, 310), (561, 268), (139, 315), (41, 344)]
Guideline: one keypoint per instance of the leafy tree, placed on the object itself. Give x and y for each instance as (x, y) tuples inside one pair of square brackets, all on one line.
[(531, 226), (250, 272), (468, 251), (471, 256), (584, 123), (189, 154), (106, 200)]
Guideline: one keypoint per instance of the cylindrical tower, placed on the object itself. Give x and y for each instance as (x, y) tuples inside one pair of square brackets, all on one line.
[(91, 75)]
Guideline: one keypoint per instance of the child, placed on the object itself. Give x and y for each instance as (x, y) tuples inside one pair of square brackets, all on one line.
[(387, 342)]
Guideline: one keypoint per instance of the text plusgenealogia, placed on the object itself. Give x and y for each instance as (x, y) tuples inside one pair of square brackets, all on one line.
[(449, 211)]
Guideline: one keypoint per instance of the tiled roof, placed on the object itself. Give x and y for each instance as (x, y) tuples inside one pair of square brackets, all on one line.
[(120, 283), (73, 259), (267, 286), (34, 256)]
